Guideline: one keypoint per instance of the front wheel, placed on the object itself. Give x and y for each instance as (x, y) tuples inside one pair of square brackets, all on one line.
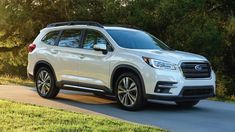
[(187, 104), (45, 83), (128, 92)]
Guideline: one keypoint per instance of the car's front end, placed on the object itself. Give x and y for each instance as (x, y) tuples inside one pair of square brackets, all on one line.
[(184, 81), (167, 74)]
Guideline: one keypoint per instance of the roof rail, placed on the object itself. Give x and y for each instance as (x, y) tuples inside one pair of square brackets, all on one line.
[(124, 26), (90, 23)]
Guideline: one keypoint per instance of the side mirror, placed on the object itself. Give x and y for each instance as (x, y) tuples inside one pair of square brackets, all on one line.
[(100, 47)]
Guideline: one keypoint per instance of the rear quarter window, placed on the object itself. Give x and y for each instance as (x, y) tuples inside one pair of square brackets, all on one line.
[(51, 38)]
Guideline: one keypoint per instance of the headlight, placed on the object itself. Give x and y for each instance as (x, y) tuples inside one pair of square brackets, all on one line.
[(160, 64)]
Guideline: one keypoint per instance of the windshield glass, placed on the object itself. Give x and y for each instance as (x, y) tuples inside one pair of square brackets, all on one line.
[(135, 39)]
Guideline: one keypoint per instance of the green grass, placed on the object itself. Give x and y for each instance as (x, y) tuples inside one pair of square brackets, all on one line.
[(8, 80), (227, 99), (22, 117)]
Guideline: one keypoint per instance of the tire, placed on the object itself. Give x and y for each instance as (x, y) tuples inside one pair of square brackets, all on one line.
[(187, 104), (46, 83), (128, 92)]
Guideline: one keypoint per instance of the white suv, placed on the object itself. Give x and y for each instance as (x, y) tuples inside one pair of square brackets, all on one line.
[(128, 63)]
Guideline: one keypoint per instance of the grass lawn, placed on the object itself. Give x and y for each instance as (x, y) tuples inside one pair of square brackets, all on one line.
[(22, 117), (7, 80), (228, 99)]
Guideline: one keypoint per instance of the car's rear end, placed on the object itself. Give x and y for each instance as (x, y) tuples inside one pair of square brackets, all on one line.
[(32, 54)]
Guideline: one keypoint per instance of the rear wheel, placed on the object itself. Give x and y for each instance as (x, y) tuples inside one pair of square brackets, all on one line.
[(45, 83), (128, 92), (187, 104)]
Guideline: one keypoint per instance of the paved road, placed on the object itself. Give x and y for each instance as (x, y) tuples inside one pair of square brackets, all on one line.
[(207, 116)]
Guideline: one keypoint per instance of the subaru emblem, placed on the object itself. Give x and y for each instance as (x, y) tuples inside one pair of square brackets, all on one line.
[(198, 67)]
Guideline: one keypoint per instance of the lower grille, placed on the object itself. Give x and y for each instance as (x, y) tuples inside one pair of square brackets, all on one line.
[(198, 91)]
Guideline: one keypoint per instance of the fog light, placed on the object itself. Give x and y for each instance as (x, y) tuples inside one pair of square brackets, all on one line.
[(164, 87)]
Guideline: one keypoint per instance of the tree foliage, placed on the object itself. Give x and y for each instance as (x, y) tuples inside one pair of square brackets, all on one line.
[(204, 27)]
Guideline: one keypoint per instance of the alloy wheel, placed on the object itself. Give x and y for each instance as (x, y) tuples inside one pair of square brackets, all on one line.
[(127, 91), (44, 82)]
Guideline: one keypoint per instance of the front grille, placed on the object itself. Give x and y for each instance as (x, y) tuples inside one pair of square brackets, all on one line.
[(196, 69), (198, 91)]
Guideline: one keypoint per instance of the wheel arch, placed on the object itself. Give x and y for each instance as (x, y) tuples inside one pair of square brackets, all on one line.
[(120, 69), (43, 63)]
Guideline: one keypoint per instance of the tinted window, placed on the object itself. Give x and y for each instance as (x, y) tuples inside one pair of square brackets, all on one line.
[(135, 39), (70, 38), (51, 38), (93, 37)]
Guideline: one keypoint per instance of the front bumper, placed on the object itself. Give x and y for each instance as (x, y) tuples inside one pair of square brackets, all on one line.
[(176, 98), (174, 86), (187, 93)]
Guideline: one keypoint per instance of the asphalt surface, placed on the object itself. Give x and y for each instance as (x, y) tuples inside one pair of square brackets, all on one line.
[(207, 116)]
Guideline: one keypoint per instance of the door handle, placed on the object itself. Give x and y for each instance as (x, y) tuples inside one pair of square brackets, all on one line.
[(53, 51), (82, 56)]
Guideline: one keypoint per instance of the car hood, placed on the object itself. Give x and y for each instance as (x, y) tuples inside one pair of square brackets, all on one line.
[(172, 56)]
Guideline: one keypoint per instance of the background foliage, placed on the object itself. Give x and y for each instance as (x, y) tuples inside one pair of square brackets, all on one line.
[(204, 27)]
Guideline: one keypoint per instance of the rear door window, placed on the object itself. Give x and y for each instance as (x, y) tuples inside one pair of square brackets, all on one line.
[(70, 38)]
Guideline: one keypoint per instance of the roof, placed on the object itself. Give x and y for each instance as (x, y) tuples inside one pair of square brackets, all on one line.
[(120, 28)]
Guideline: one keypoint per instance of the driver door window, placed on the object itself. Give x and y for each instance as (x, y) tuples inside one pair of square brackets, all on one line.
[(92, 38)]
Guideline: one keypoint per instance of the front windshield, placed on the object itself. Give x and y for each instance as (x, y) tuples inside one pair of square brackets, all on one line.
[(135, 39)]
